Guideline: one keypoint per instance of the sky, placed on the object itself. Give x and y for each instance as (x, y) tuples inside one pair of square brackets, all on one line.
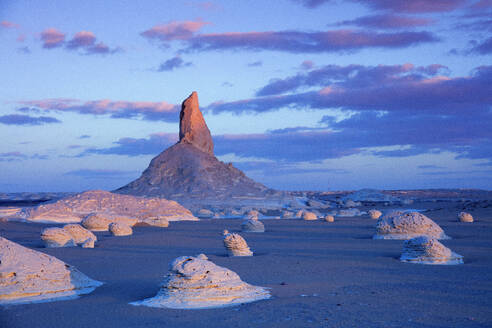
[(299, 94)]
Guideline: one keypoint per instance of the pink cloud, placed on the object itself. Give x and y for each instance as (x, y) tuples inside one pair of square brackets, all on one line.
[(82, 39), (415, 6), (156, 111), (387, 21), (52, 38), (174, 30), (7, 24)]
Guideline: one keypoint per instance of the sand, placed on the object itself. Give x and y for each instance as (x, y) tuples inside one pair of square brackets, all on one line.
[(320, 275)]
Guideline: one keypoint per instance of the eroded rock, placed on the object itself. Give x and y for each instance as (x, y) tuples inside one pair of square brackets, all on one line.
[(28, 276), (236, 245), (57, 237), (197, 283), (79, 233), (374, 214), (96, 222), (427, 250), (120, 229), (253, 225), (465, 217), (309, 216)]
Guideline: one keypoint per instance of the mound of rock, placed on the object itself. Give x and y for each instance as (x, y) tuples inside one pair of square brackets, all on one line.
[(155, 221), (309, 216), (96, 222), (407, 225), (329, 218), (426, 250), (374, 214), (197, 283), (190, 173), (74, 208), (69, 235), (120, 229), (28, 276), (465, 217), (252, 225), (236, 245)]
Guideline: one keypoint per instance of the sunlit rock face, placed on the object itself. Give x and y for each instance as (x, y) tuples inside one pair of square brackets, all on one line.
[(374, 214), (190, 173), (465, 217), (120, 229), (197, 283), (79, 234), (114, 207), (407, 225), (426, 250), (28, 276), (309, 216), (236, 245), (253, 225), (57, 237)]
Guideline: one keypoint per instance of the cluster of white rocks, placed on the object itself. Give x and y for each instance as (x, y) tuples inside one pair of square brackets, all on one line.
[(252, 224), (28, 276), (69, 235), (407, 225), (236, 245), (197, 283)]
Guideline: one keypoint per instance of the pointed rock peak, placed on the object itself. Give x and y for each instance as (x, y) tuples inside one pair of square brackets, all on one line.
[(192, 126)]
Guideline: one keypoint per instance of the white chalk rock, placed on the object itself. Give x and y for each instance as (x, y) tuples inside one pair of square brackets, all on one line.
[(205, 213), (96, 222), (129, 221), (287, 215), (79, 234), (309, 216), (329, 218), (236, 245), (120, 229), (299, 214), (465, 217), (89, 243), (28, 276), (426, 250), (374, 214), (350, 203), (407, 225), (156, 221), (197, 283), (57, 237), (253, 225)]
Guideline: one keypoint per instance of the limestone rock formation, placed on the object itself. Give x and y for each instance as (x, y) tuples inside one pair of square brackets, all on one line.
[(465, 217), (120, 229), (287, 215), (57, 237), (28, 276), (252, 225), (115, 207), (197, 283), (79, 234), (407, 225), (309, 216), (427, 250), (190, 173), (192, 127), (374, 214), (370, 195), (89, 243), (155, 221), (236, 245), (329, 218), (96, 222)]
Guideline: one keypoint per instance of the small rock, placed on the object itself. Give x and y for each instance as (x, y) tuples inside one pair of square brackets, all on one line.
[(120, 229), (465, 217)]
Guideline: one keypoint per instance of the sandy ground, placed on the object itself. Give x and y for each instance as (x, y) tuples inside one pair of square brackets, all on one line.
[(320, 274)]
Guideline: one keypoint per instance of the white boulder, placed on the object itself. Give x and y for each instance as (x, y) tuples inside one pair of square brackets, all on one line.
[(427, 250), (79, 234), (465, 217), (57, 237), (120, 229), (28, 276), (374, 214), (253, 225), (96, 222), (236, 245), (197, 283), (309, 216)]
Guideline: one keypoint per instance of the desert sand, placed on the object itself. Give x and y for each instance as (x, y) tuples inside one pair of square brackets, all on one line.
[(320, 275)]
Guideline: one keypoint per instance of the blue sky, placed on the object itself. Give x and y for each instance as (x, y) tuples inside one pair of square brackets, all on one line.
[(300, 94)]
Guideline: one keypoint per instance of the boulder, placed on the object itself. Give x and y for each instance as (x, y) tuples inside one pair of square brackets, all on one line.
[(329, 218), (156, 221), (309, 216), (287, 215), (197, 283), (465, 217), (96, 222), (374, 214), (28, 276), (79, 233), (236, 245), (252, 225), (427, 250), (120, 229), (57, 237), (205, 213), (407, 225)]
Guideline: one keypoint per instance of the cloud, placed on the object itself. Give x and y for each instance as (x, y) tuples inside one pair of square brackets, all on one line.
[(18, 156), (255, 63), (387, 21), (145, 110), (52, 38), (426, 167), (24, 50), (156, 143), (415, 6), (7, 24), (482, 48), (18, 119), (173, 31), (307, 64), (312, 3), (100, 174), (172, 64), (307, 42), (84, 136)]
